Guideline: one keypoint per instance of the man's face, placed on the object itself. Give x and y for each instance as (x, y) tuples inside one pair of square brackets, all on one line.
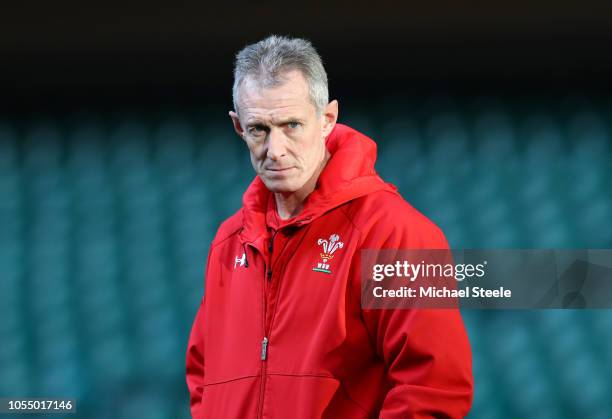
[(283, 131)]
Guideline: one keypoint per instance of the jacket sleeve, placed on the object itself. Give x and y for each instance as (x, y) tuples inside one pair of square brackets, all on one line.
[(195, 362), (426, 351), (195, 353)]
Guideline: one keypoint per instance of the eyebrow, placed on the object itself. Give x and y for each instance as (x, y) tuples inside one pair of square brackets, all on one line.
[(284, 121), (256, 124)]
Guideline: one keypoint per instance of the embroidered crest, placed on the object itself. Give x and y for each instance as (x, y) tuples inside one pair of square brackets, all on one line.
[(329, 248)]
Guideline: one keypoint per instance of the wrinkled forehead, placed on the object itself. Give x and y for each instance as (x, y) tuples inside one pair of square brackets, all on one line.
[(290, 95)]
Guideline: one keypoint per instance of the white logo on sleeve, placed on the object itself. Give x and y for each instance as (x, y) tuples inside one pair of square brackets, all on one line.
[(240, 260)]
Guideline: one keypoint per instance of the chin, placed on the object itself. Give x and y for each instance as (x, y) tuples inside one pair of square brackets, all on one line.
[(281, 185)]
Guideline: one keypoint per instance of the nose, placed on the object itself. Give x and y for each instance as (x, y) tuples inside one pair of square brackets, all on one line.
[(276, 145)]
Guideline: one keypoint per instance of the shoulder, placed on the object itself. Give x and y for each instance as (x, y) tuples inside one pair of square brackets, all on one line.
[(386, 215), (228, 228)]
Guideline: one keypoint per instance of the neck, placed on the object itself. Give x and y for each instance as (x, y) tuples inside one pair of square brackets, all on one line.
[(291, 204)]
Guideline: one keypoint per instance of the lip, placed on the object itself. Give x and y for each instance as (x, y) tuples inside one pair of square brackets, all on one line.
[(278, 173), (279, 170)]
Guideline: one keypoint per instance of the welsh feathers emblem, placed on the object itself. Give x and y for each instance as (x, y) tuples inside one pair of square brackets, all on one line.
[(329, 248)]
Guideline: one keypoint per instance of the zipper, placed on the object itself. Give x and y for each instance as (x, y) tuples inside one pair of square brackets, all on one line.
[(264, 348), (270, 249), (266, 331), (265, 340), (264, 367), (264, 352)]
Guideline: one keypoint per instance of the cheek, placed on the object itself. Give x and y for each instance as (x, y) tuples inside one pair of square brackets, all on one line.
[(256, 154), (312, 146), (254, 162), (311, 157)]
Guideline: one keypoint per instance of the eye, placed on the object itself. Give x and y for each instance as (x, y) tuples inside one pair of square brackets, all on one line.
[(293, 124), (257, 130)]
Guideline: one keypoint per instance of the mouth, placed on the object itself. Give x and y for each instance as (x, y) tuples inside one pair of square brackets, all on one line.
[(278, 171)]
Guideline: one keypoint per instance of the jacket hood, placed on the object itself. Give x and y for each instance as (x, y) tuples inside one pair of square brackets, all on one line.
[(348, 174)]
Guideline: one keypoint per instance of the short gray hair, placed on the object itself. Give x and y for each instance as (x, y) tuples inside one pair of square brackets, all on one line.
[(266, 61)]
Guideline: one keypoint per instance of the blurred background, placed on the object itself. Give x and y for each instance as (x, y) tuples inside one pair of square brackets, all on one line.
[(118, 162)]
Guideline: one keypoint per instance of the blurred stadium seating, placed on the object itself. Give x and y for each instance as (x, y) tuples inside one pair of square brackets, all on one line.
[(106, 219)]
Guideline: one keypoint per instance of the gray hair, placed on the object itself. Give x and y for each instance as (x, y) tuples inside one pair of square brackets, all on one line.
[(267, 60)]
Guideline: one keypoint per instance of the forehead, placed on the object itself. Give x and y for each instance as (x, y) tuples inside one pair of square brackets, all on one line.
[(290, 98)]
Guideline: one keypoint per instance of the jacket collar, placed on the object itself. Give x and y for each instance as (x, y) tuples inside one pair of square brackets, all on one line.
[(349, 174)]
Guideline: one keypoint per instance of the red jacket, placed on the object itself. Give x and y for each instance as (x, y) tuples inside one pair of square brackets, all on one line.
[(280, 332)]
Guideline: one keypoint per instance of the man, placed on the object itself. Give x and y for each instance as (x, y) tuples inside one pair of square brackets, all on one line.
[(280, 332)]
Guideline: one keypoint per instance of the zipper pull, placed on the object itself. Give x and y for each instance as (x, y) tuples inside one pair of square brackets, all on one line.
[(264, 348)]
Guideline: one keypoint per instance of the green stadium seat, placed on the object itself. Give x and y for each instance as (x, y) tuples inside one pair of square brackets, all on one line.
[(106, 221)]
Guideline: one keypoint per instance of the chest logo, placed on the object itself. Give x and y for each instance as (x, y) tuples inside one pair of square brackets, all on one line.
[(329, 248)]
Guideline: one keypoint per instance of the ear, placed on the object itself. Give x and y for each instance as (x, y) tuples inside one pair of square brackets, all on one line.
[(330, 116), (236, 124)]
